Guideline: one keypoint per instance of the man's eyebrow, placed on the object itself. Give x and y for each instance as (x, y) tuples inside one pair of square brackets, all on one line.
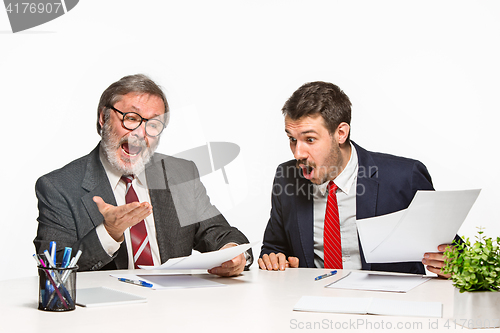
[(136, 110), (308, 131), (302, 133)]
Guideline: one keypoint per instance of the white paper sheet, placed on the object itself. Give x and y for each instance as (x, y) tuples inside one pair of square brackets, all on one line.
[(431, 219), (376, 306), (170, 280), (205, 260), (102, 296), (378, 282)]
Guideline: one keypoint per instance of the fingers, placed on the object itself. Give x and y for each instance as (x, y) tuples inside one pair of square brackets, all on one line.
[(445, 247), (435, 261), (231, 267), (274, 262), (101, 205), (135, 213), (269, 262), (294, 262), (118, 219), (438, 272)]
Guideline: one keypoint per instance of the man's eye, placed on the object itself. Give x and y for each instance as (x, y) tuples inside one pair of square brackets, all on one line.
[(311, 140), (293, 140), (131, 118)]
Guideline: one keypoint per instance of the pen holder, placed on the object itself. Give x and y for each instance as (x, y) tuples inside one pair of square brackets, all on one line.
[(57, 288)]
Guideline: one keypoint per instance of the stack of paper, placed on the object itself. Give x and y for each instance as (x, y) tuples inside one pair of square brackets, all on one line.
[(102, 296), (375, 306), (431, 219), (378, 282), (205, 260)]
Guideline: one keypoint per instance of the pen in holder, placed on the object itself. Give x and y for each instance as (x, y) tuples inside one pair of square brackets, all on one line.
[(57, 288)]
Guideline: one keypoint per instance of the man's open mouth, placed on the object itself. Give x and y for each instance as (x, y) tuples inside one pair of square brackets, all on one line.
[(130, 149), (307, 171)]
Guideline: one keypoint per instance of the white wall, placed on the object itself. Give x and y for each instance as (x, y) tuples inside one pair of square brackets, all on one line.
[(422, 77)]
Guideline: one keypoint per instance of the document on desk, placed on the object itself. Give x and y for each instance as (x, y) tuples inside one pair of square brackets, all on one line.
[(378, 282), (431, 219), (374, 306), (102, 296), (170, 280), (205, 260)]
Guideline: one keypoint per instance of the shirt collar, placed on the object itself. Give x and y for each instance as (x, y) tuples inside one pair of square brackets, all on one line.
[(346, 178)]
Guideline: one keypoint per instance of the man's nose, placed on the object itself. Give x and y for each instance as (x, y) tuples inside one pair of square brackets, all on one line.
[(300, 152), (140, 131)]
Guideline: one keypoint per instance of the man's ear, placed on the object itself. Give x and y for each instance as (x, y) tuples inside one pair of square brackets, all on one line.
[(343, 132), (101, 117)]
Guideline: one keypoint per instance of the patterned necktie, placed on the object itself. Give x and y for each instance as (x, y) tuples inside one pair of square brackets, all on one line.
[(138, 233), (331, 235)]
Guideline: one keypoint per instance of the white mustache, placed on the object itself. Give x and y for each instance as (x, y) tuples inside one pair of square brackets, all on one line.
[(132, 140)]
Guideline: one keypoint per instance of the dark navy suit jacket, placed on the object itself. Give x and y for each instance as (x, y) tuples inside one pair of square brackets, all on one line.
[(385, 184)]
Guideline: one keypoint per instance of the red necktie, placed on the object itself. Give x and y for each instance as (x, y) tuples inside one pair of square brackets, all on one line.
[(331, 236), (138, 233)]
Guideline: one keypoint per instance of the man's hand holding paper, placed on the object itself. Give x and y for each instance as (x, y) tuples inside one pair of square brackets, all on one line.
[(231, 267), (430, 223), (434, 261)]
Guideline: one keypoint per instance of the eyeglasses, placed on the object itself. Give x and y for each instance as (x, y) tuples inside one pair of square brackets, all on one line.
[(132, 120)]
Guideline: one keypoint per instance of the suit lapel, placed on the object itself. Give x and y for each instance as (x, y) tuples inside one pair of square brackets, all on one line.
[(367, 185), (97, 183), (305, 219), (366, 192)]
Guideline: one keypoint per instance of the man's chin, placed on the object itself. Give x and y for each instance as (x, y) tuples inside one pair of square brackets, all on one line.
[(315, 181)]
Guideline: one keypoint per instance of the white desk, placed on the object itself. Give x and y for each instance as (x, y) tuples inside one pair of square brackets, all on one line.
[(257, 301)]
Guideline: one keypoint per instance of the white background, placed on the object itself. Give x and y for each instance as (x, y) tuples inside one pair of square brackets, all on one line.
[(423, 77)]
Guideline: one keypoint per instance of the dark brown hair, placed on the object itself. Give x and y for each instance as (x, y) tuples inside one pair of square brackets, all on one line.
[(322, 98)]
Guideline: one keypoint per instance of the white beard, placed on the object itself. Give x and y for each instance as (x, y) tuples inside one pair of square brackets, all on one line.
[(111, 143)]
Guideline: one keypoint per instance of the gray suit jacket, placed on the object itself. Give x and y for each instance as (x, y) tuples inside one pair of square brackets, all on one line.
[(184, 216)]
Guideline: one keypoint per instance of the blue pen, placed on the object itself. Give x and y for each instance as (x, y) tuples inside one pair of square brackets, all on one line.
[(66, 257), (138, 282), (325, 275)]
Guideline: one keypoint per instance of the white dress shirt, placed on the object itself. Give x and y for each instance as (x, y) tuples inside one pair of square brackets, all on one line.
[(346, 182), (119, 187)]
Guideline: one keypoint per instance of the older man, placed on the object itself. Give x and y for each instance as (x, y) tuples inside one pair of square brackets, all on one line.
[(332, 182), (124, 205)]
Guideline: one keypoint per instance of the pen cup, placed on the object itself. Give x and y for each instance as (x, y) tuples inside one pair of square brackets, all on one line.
[(57, 288)]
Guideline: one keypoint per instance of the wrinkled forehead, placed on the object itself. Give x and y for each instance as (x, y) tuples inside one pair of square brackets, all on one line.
[(306, 123)]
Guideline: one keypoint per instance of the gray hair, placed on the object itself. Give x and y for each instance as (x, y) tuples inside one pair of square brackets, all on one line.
[(138, 83)]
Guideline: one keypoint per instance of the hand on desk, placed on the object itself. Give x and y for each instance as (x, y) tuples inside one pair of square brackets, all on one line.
[(118, 218), (232, 267), (274, 262), (435, 260)]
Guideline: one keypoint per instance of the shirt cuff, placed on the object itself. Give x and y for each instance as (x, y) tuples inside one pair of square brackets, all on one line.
[(108, 243)]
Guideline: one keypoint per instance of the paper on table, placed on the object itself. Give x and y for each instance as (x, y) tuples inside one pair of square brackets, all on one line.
[(378, 282), (431, 219), (102, 296), (205, 260), (376, 306), (171, 280)]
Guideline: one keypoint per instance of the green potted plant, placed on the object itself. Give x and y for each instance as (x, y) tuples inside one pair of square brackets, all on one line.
[(475, 272)]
